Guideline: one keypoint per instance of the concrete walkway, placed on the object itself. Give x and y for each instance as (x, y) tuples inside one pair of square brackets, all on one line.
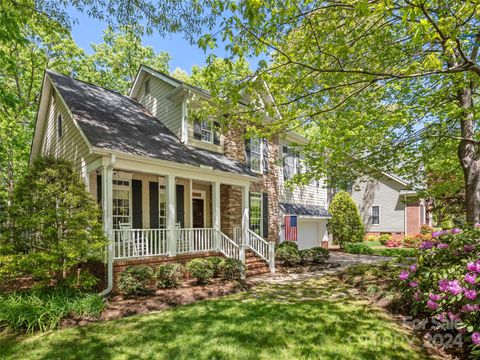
[(345, 260)]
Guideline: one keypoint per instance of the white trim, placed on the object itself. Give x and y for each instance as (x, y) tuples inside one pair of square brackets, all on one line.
[(163, 167), (260, 171), (261, 210)]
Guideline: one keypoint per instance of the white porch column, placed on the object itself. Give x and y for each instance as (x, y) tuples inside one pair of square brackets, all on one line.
[(245, 212), (216, 212), (171, 215)]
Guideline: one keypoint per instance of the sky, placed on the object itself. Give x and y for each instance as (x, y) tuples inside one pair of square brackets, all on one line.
[(87, 31)]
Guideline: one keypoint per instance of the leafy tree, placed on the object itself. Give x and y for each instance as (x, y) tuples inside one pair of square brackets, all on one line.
[(370, 79), (346, 224), (56, 223), (115, 62)]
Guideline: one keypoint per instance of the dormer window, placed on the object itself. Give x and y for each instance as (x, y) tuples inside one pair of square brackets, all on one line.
[(206, 131), (147, 86), (59, 126)]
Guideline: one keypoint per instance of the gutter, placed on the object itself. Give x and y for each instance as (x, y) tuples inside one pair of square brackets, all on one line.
[(108, 230)]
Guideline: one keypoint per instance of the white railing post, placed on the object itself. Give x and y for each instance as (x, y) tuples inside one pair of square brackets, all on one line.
[(216, 213), (245, 213), (241, 256), (271, 256), (171, 215)]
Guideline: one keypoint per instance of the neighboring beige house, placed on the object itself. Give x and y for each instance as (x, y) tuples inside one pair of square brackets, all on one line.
[(173, 186), (387, 204)]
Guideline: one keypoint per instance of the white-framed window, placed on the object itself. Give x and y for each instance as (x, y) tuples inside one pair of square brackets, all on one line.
[(147, 86), (162, 207), (291, 162), (256, 154), (256, 217), (207, 132), (375, 215), (59, 126), (122, 202)]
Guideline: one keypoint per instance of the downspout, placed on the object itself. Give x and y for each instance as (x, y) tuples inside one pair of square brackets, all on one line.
[(107, 223), (405, 217)]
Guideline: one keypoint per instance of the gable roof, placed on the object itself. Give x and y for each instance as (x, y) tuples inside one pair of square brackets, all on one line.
[(112, 121)]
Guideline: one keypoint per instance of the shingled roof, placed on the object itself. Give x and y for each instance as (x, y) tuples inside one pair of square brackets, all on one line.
[(304, 210), (116, 122)]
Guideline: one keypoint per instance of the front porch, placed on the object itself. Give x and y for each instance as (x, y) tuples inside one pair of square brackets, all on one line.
[(157, 212)]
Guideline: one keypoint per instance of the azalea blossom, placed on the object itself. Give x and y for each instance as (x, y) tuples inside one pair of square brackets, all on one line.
[(413, 268), (443, 285), (413, 284), (453, 317), (454, 287), (468, 308), (470, 294), (404, 274), (455, 231), (442, 246), (468, 248), (432, 305), (472, 266), (470, 278), (416, 296), (426, 245), (434, 297), (476, 338)]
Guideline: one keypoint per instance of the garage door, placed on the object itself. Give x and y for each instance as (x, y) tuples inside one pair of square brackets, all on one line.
[(308, 234)]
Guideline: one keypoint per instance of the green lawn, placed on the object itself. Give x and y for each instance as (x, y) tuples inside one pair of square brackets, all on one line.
[(380, 250), (318, 319)]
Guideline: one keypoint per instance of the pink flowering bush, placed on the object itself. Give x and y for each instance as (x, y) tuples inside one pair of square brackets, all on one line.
[(393, 243), (444, 282)]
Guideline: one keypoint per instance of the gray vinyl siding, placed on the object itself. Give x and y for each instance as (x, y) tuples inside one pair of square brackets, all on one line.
[(385, 193), (311, 194), (71, 145), (167, 111)]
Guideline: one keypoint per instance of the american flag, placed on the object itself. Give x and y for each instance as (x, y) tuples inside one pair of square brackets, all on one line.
[(291, 228)]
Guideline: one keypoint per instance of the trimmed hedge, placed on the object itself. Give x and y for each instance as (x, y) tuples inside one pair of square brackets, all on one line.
[(135, 280), (169, 275)]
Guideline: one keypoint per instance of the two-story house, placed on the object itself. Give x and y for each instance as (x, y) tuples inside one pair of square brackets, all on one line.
[(171, 185)]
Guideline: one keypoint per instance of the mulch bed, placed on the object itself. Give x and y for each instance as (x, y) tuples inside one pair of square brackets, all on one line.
[(299, 269), (119, 306)]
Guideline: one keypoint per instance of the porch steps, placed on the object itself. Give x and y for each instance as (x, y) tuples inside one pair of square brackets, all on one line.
[(255, 265)]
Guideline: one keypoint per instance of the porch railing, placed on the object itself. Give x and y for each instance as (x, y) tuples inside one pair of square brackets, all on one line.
[(229, 248), (192, 240), (263, 248), (131, 243)]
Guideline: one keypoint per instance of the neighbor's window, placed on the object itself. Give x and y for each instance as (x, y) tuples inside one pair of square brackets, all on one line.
[(256, 154), (59, 126), (121, 202), (375, 215), (256, 213), (162, 207), (207, 134), (147, 86)]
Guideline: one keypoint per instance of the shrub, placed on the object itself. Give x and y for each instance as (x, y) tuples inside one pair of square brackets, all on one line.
[(315, 255), (411, 241), (426, 229), (442, 282), (288, 255), (42, 310), (371, 238), (289, 244), (82, 280), (200, 269), (135, 280), (358, 248), (56, 224), (345, 225), (383, 238), (215, 261), (169, 275), (231, 269), (393, 243)]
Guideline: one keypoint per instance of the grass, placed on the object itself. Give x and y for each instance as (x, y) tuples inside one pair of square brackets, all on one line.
[(41, 310), (316, 319), (380, 250)]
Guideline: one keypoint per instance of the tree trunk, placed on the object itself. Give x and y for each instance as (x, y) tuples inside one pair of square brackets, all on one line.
[(468, 156)]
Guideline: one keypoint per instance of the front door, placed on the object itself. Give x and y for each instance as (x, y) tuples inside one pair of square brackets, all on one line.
[(198, 214)]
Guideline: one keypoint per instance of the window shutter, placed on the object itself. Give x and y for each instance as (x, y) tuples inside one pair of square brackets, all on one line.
[(265, 214), (197, 130), (216, 133), (154, 221), (286, 169), (99, 190), (247, 152), (265, 156), (180, 205), (137, 204)]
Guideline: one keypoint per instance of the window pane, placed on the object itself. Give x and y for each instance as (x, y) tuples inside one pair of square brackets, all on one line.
[(256, 213)]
